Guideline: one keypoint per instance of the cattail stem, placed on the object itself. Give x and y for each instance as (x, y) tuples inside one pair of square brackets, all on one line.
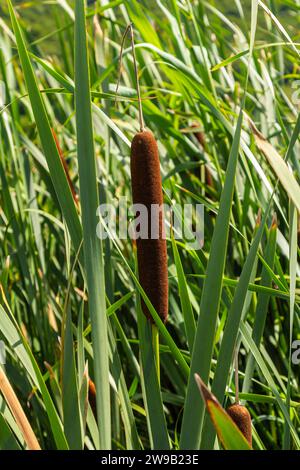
[(141, 117), (18, 413), (155, 341), (236, 375)]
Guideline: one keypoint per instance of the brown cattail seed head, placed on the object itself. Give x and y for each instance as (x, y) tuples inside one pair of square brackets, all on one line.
[(151, 252), (241, 417)]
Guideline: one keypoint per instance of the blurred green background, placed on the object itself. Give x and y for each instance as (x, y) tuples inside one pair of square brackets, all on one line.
[(40, 15)]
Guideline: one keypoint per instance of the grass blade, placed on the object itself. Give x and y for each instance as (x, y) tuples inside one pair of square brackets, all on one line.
[(203, 347), (280, 168), (18, 413), (56, 169), (187, 310), (293, 276), (245, 330), (262, 303), (15, 337), (231, 330), (7, 439), (70, 395), (156, 422), (92, 246)]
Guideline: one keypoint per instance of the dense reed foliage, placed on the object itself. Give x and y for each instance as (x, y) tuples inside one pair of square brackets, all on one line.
[(221, 96)]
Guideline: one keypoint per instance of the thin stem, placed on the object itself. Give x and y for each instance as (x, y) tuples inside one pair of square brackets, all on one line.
[(141, 117), (236, 375), (120, 62), (155, 342)]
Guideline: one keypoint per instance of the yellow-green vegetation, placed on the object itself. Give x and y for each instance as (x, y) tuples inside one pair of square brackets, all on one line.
[(220, 91)]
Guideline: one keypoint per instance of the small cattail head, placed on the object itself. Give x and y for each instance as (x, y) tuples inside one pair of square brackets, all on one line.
[(241, 417)]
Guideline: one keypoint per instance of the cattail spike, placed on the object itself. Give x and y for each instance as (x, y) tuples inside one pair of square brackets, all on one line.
[(241, 417), (151, 251)]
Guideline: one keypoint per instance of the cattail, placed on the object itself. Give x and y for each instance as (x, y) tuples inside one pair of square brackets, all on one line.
[(237, 412), (241, 417), (147, 191), (151, 253)]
